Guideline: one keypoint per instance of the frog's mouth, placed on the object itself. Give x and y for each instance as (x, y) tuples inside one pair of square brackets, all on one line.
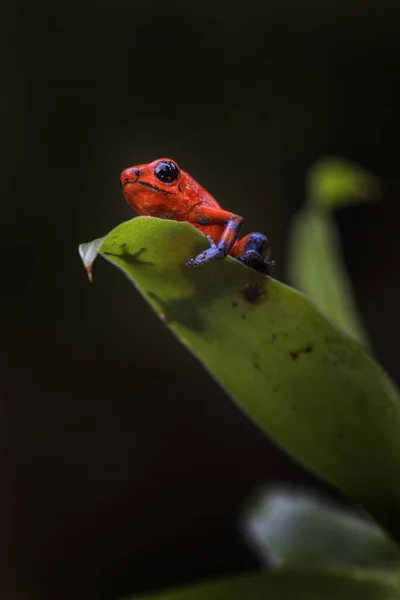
[(145, 184)]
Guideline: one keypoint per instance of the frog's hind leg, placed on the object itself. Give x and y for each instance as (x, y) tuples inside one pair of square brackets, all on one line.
[(254, 250)]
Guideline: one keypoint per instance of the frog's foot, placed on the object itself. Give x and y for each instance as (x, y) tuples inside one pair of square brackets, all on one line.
[(254, 251), (255, 261), (214, 252)]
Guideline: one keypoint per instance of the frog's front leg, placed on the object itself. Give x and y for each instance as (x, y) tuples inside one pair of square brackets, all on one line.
[(217, 216)]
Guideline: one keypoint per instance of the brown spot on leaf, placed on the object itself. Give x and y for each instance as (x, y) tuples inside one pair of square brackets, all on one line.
[(257, 366), (295, 354), (252, 292), (234, 304)]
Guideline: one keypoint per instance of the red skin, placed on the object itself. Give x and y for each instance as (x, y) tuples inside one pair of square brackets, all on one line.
[(185, 200)]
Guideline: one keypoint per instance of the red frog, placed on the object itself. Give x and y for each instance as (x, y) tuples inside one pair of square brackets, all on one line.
[(162, 189)]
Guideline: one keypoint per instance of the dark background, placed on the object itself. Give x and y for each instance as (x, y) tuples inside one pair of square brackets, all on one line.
[(123, 466)]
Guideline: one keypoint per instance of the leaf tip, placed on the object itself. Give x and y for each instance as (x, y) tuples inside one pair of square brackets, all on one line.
[(89, 271), (88, 253)]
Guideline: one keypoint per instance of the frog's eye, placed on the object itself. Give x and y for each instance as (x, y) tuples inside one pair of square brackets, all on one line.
[(166, 171)]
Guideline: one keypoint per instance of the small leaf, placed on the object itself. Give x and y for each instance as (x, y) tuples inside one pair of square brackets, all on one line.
[(88, 253), (297, 529), (306, 383), (286, 585), (315, 262), (316, 267), (333, 182)]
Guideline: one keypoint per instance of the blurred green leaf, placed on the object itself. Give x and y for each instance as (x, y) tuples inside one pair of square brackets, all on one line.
[(315, 261), (333, 182), (295, 373), (316, 268), (297, 529), (287, 585)]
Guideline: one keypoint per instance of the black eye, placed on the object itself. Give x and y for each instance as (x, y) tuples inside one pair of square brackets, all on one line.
[(166, 171)]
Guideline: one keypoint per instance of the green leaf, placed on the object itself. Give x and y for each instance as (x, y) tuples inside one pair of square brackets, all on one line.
[(333, 182), (315, 261), (286, 585), (315, 267), (312, 388), (297, 529)]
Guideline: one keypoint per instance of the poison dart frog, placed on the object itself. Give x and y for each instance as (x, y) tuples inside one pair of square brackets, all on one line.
[(162, 189)]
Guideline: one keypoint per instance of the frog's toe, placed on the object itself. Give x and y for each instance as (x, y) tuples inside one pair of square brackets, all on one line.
[(190, 262), (203, 257), (212, 243), (197, 260)]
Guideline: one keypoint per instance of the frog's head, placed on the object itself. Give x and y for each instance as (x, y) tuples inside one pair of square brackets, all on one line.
[(149, 188)]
